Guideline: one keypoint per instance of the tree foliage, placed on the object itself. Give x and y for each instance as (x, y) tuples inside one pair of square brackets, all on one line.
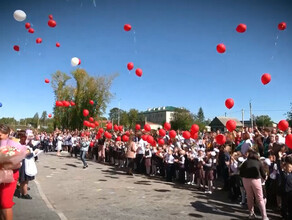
[(182, 119), (86, 88), (264, 121)]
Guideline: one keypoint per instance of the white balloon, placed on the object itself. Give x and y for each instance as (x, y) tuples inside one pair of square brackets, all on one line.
[(74, 61), (19, 15)]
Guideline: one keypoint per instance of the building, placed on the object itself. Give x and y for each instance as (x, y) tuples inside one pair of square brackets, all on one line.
[(159, 115), (219, 123)]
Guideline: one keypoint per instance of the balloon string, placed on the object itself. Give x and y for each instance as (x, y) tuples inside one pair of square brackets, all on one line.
[(275, 45), (135, 49)]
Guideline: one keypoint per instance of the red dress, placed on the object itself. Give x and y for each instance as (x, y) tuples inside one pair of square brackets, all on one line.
[(7, 191)]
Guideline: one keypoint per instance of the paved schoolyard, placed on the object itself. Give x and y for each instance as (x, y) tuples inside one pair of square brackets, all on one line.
[(105, 192)]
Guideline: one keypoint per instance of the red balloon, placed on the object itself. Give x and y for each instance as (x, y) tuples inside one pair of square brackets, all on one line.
[(138, 127), (49, 115), (266, 78), (67, 104), (118, 138), (121, 128), (116, 128), (221, 48), (282, 26), (58, 103), (109, 126), (161, 141), (229, 103), (172, 134), (52, 23), (98, 136), (91, 144), (127, 133), (86, 123), (100, 130), (50, 17), (231, 125), (91, 119), (16, 47), (241, 28), (150, 139), (139, 72), (162, 132), (153, 144), (91, 102), (39, 40), (147, 127), (58, 44), (72, 103), (186, 135), (288, 140), (125, 138), (167, 126), (194, 135), (92, 125), (130, 66), (283, 125), (220, 139), (79, 62), (31, 30), (96, 123), (144, 137), (47, 80), (108, 135), (27, 25), (85, 112), (195, 128), (127, 27)]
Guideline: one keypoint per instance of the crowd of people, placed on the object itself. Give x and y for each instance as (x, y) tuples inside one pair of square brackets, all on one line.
[(254, 164)]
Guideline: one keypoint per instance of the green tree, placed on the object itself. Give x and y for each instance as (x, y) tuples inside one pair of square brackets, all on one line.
[(264, 121), (200, 116), (133, 116), (36, 119), (124, 119), (43, 118), (182, 119), (114, 115), (8, 121), (87, 88)]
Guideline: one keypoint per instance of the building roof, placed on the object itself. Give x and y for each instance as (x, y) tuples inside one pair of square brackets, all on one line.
[(160, 109), (224, 120)]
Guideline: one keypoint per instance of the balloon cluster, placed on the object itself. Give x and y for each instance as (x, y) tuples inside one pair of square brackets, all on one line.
[(64, 103)]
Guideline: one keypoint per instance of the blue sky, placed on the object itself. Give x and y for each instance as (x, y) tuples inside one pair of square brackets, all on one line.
[(172, 41)]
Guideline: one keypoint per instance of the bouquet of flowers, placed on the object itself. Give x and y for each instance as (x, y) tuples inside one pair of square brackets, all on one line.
[(11, 154)]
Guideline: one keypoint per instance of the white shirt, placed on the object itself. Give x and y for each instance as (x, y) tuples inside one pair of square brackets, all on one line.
[(141, 147), (169, 158), (246, 146)]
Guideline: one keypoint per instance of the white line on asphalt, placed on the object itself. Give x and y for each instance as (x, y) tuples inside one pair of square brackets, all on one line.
[(49, 205)]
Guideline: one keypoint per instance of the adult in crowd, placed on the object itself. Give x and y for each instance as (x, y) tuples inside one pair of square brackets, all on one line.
[(252, 172), (7, 189), (131, 154)]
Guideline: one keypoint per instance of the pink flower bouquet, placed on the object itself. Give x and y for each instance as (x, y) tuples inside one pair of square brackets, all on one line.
[(11, 153)]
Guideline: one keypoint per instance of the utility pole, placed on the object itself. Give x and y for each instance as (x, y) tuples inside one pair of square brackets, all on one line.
[(250, 115), (242, 114)]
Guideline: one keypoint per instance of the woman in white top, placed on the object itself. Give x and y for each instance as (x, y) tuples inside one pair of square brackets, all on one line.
[(59, 144), (247, 144)]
